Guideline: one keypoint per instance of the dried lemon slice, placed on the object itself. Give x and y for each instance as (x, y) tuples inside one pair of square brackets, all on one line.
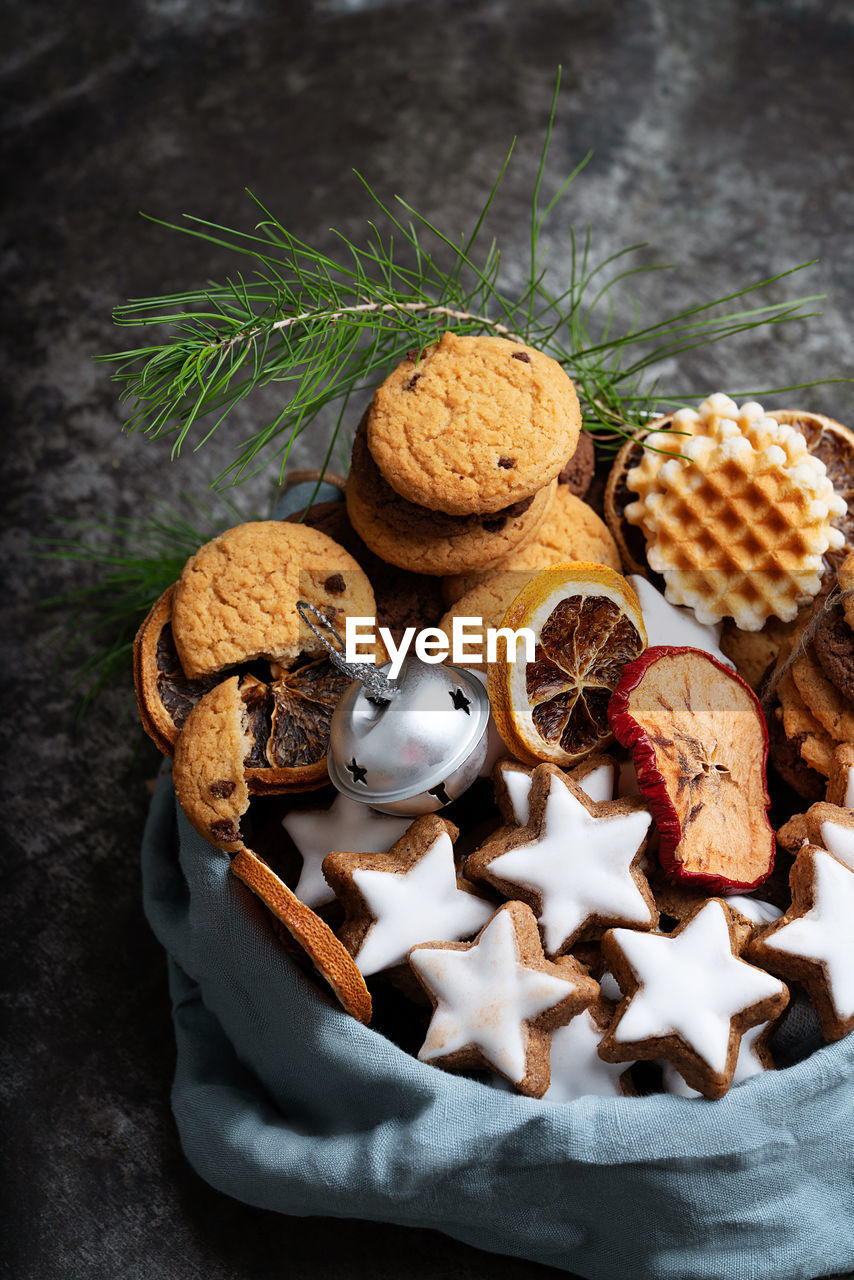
[(587, 623)]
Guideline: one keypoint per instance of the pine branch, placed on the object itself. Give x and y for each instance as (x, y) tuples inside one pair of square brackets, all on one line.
[(322, 327), (325, 327), (136, 560)]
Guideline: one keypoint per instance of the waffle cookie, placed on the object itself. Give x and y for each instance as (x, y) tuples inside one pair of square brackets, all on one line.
[(827, 440), (736, 513)]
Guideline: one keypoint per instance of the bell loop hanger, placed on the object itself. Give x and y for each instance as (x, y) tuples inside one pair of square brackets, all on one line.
[(380, 689)]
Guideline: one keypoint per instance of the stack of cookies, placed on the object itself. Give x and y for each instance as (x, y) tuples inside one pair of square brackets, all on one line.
[(455, 463), (813, 707), (229, 679)]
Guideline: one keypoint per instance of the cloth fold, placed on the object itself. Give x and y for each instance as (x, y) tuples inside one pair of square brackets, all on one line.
[(286, 1103)]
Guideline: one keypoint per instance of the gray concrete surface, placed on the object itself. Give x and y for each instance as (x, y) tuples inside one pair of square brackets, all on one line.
[(723, 136)]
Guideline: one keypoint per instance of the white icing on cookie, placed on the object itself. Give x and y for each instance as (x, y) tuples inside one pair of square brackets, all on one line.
[(826, 931), (667, 624), (691, 985), (485, 995), (576, 1068), (598, 785), (748, 1064), (518, 786), (839, 841), (345, 827), (756, 911), (609, 987), (580, 866), (424, 904)]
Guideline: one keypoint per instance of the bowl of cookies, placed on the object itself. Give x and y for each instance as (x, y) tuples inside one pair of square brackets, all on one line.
[(515, 897)]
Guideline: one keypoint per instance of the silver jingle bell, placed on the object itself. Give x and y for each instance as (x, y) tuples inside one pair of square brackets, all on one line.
[(419, 750)]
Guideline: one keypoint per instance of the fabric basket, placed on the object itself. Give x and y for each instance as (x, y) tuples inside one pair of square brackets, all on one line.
[(285, 1102)]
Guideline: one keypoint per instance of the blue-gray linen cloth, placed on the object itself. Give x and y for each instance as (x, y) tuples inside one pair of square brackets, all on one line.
[(285, 1102)]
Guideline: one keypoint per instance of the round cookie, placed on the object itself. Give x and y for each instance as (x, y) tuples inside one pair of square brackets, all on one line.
[(403, 599), (473, 424), (832, 709), (846, 586), (578, 472), (479, 548), (815, 744), (489, 601), (571, 531), (236, 598), (408, 517), (754, 651), (208, 772), (784, 753)]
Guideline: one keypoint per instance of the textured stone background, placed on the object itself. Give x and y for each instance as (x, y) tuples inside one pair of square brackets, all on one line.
[(724, 137)]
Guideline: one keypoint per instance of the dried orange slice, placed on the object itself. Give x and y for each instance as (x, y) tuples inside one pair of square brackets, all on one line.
[(330, 958), (587, 623)]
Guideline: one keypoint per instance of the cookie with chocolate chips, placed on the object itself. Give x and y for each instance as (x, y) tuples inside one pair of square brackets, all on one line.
[(408, 517), (480, 547), (404, 599), (472, 425), (577, 474), (209, 771), (236, 598)]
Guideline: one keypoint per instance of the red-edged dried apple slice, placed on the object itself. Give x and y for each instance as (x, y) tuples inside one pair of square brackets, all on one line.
[(699, 743)]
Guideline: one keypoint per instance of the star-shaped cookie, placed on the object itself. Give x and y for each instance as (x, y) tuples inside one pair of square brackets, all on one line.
[(840, 783), (814, 941), (577, 1069), (829, 826), (575, 863), (596, 776), (690, 997), (409, 895), (346, 824), (497, 1000), (754, 1057)]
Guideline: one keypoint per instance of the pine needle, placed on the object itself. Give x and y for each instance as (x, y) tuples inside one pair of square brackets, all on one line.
[(322, 327), (135, 560)]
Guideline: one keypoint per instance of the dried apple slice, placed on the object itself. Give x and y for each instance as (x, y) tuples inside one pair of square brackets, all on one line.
[(699, 743)]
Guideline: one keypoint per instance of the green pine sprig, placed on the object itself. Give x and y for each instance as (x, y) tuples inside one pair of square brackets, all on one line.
[(134, 561), (322, 327)]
